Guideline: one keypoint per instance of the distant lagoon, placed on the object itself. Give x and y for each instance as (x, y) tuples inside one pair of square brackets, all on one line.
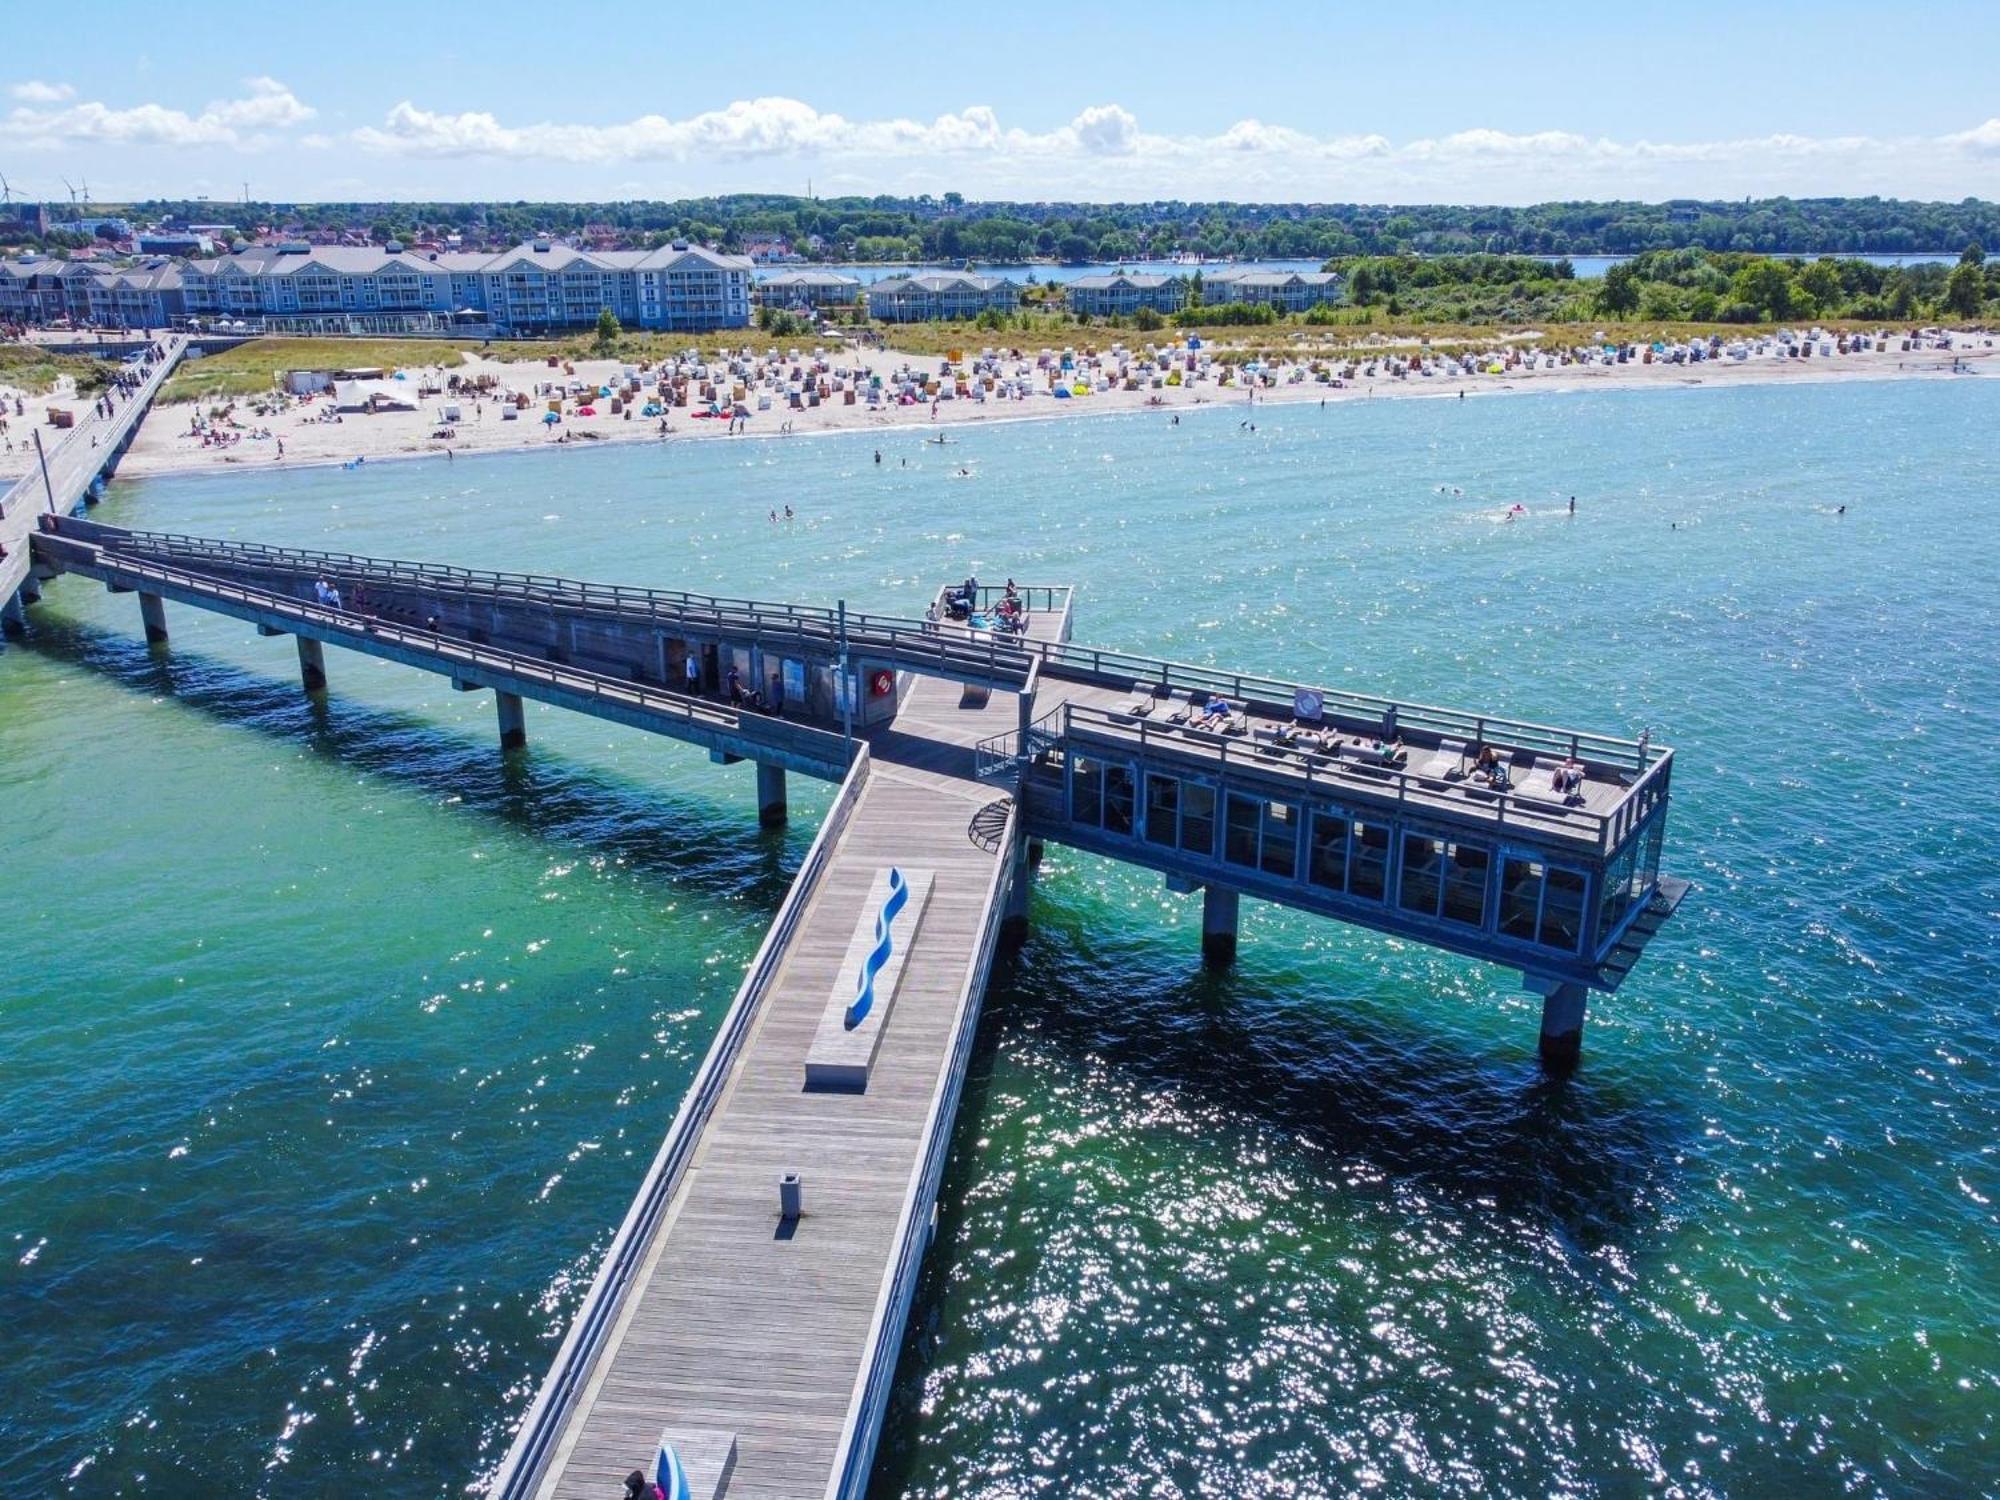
[(1587, 267)]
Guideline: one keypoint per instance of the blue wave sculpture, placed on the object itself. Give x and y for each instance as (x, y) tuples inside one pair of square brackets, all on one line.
[(864, 989), (672, 1479)]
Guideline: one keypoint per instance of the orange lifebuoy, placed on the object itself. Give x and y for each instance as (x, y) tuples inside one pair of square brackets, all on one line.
[(881, 684)]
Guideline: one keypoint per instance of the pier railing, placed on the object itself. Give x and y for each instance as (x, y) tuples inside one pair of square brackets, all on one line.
[(863, 1426), (1275, 697), (361, 631), (534, 1440), (1344, 778), (808, 629)]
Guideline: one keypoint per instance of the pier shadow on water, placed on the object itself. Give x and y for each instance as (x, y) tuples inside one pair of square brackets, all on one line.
[(1276, 1050), (654, 830)]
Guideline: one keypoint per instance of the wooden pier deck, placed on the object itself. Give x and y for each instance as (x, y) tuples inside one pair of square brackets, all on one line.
[(786, 1339), (84, 452)]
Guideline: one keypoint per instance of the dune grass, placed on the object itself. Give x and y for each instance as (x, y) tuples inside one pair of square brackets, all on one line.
[(1296, 339), (257, 366), (35, 369)]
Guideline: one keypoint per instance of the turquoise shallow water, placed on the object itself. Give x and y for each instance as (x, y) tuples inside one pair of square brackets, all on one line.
[(335, 1047)]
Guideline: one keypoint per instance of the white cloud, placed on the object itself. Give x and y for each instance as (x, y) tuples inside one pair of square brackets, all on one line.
[(51, 124), (34, 91), (973, 150), (1101, 152), (1983, 140)]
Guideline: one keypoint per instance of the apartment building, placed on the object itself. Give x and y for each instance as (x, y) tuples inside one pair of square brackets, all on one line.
[(922, 299)]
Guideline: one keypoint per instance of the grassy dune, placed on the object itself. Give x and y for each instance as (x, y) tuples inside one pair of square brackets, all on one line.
[(257, 366), (34, 369)]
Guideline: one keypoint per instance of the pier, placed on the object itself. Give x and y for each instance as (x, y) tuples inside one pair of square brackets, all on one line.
[(66, 473), (751, 1305)]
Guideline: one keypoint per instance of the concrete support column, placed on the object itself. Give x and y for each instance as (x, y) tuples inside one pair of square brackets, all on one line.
[(1020, 886), (153, 613), (14, 615), (1562, 1026), (1035, 853), (312, 665), (1219, 910), (770, 795), (513, 720)]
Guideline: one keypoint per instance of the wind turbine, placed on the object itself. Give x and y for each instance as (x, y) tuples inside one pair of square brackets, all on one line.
[(6, 191)]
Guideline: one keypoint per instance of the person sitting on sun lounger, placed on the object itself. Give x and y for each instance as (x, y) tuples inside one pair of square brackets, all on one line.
[(1214, 714), (1567, 777)]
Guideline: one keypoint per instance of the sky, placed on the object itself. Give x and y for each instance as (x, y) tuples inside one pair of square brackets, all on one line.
[(1238, 99)]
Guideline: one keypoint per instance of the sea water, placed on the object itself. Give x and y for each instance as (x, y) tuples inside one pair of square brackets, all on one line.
[(335, 1044)]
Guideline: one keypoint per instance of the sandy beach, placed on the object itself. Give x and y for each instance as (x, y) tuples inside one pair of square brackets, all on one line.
[(167, 442)]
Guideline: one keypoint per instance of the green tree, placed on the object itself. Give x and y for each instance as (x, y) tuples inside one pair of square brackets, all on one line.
[(1147, 320), (1965, 290), (608, 329), (1619, 296), (1073, 249), (1974, 254), (1821, 280), (1764, 285)]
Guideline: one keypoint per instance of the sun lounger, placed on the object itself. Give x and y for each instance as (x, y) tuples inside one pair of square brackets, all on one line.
[(1186, 711), (1142, 703), (1447, 762)]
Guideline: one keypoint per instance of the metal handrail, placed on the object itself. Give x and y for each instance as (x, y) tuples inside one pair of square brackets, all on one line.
[(905, 643), (360, 629), (543, 1425), (1340, 775), (913, 643), (863, 1426), (1089, 663)]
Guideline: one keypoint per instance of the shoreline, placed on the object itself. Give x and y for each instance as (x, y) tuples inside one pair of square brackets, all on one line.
[(163, 445)]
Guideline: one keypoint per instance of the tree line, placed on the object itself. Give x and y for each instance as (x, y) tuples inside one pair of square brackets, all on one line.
[(949, 227)]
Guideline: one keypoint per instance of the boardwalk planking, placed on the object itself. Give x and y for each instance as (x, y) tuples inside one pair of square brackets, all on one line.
[(729, 1325)]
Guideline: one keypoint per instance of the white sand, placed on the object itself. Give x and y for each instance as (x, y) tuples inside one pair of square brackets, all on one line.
[(165, 445), (17, 443)]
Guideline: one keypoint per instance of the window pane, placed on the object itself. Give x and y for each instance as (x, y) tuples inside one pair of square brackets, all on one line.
[(1520, 898), (1419, 887), (1371, 861), (1329, 852), (1163, 799), (1118, 795), (1562, 910), (1239, 844), (1281, 840), (1198, 819), (1086, 781), (1465, 884)]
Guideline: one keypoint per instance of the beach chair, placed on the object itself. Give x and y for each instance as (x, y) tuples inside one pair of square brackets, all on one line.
[(1448, 764), (1144, 695), (1186, 711)]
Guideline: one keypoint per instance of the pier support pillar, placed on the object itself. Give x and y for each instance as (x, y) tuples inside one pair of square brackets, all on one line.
[(14, 615), (770, 795), (312, 665), (513, 720), (153, 613), (1034, 854), (1562, 1026), (1020, 886), (1219, 910)]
